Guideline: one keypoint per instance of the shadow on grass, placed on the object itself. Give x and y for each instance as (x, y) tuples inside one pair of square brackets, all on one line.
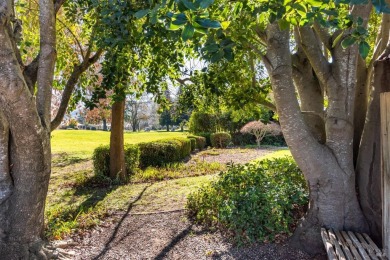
[(118, 226), (64, 159), (95, 189)]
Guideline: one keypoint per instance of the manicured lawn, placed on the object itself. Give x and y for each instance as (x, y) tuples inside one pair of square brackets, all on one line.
[(81, 143), (280, 153)]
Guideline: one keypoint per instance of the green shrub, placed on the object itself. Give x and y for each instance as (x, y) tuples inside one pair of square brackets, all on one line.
[(132, 154), (274, 140), (185, 147), (207, 137), (240, 139), (101, 159), (162, 152), (220, 140), (253, 201), (202, 122), (200, 141), (159, 153), (193, 143)]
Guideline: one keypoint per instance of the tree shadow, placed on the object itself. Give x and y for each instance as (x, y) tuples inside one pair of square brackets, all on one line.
[(64, 159), (174, 242), (118, 226)]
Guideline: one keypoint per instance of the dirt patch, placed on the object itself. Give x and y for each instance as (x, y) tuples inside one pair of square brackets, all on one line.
[(232, 155), (166, 236)]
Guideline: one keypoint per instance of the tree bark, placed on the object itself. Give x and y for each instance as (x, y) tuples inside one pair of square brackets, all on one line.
[(25, 152), (327, 168), (368, 167), (117, 154)]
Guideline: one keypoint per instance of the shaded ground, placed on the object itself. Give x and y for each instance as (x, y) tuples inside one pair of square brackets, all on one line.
[(157, 230), (166, 236)]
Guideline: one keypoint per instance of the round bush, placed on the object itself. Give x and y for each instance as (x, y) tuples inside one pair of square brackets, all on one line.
[(220, 140), (254, 201)]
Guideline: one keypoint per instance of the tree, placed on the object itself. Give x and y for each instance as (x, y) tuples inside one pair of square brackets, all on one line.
[(165, 119), (137, 110), (25, 119), (260, 130), (99, 114), (319, 50)]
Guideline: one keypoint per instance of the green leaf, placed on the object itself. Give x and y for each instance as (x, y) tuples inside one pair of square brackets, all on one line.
[(207, 23), (206, 3), (211, 47), (364, 49), (283, 24), (225, 24), (179, 22), (141, 13), (188, 32), (348, 42), (336, 41), (174, 27), (217, 56), (189, 5), (315, 3)]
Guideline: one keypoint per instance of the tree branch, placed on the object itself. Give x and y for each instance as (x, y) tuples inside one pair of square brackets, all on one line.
[(309, 44), (47, 60), (74, 37), (70, 85), (58, 4), (30, 72), (323, 34)]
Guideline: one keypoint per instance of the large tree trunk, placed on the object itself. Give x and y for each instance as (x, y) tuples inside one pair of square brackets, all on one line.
[(327, 168), (368, 165), (117, 154), (25, 155)]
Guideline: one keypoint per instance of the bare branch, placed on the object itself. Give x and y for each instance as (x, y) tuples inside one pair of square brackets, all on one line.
[(74, 37), (70, 85)]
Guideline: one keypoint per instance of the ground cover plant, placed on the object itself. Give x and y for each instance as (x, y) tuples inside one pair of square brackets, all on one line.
[(258, 201)]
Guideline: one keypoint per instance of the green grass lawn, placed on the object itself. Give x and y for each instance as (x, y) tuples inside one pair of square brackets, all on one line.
[(81, 143)]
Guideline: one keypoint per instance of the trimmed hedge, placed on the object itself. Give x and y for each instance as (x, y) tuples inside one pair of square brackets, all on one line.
[(193, 143), (157, 153), (207, 136), (162, 152), (220, 140), (132, 154), (200, 141), (101, 159)]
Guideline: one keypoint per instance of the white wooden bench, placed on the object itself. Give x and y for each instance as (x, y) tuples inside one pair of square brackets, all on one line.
[(349, 246)]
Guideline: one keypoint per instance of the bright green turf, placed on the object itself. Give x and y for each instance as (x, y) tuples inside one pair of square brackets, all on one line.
[(81, 143)]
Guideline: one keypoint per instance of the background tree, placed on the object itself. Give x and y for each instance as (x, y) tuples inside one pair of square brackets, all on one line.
[(260, 130)]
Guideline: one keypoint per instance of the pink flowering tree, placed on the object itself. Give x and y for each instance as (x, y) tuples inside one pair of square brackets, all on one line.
[(260, 130)]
